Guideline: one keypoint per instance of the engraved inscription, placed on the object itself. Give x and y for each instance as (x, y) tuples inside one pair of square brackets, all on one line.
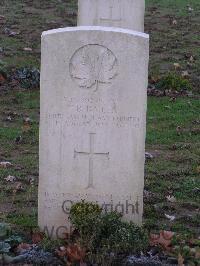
[(109, 21), (92, 65), (91, 112), (91, 154), (126, 204)]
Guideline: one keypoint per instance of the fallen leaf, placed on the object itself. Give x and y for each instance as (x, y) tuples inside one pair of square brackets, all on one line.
[(75, 253), (22, 247), (2, 78), (8, 118), (37, 237), (177, 66), (196, 190), (174, 22), (27, 120), (180, 260), (11, 33), (5, 164), (31, 180), (170, 217), (61, 252), (171, 198), (10, 113), (148, 155), (18, 187), (164, 239), (191, 59), (154, 79), (185, 74), (196, 122), (26, 127), (28, 49), (172, 99), (10, 178)]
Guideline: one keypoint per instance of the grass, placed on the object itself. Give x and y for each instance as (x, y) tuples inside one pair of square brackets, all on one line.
[(27, 221), (174, 43), (164, 118), (172, 126)]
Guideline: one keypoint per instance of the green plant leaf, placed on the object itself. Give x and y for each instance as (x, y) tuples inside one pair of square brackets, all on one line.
[(4, 247), (4, 230)]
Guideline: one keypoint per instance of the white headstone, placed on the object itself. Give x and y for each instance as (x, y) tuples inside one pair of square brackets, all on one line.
[(128, 14), (93, 120)]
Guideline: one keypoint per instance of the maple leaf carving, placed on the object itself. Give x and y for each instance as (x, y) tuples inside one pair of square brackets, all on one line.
[(92, 65)]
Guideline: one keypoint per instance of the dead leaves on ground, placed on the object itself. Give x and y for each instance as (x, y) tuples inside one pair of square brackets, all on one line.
[(5, 164), (23, 247), (10, 178), (10, 32), (180, 260), (185, 250), (185, 74), (2, 17), (164, 239), (26, 125), (171, 198), (174, 22), (18, 186), (37, 237), (73, 253), (2, 78), (177, 66), (192, 130), (28, 49), (170, 217)]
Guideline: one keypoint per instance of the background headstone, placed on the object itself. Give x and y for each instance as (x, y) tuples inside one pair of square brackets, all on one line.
[(93, 120), (128, 14)]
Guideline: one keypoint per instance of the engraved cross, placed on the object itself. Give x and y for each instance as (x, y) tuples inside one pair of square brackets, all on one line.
[(110, 19), (91, 155)]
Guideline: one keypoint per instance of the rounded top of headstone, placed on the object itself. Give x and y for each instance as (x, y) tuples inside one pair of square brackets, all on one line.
[(96, 28)]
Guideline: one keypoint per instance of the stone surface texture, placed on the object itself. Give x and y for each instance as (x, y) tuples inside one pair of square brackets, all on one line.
[(93, 122), (128, 14)]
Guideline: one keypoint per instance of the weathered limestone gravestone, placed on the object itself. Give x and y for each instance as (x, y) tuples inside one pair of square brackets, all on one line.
[(93, 120), (128, 14)]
